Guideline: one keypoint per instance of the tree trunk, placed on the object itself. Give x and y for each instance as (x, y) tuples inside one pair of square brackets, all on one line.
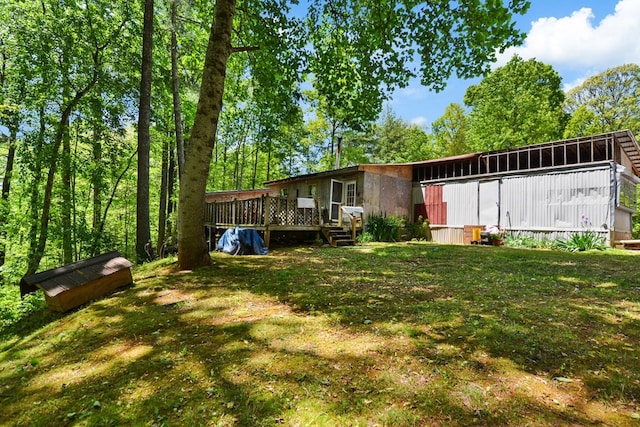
[(171, 184), (268, 160), (34, 201), (143, 231), (35, 256), (255, 166), (175, 80), (38, 242), (96, 182), (243, 162), (162, 208), (236, 169), (224, 167), (110, 200), (6, 187), (67, 248), (192, 247)]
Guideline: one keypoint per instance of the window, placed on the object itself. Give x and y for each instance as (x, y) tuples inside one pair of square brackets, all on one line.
[(313, 190), (628, 194), (284, 192), (350, 196)]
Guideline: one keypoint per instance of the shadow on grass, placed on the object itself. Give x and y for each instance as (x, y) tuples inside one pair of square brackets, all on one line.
[(391, 334)]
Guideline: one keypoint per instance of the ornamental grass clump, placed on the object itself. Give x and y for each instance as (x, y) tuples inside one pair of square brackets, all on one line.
[(584, 240), (384, 228)]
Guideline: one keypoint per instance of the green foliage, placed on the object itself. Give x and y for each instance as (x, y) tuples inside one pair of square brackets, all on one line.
[(384, 228), (450, 132), (582, 241), (515, 105), (583, 122), (606, 102), (13, 309), (418, 230), (365, 237), (394, 140), (523, 240)]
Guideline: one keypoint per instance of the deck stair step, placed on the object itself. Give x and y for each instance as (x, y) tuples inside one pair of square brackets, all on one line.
[(338, 236)]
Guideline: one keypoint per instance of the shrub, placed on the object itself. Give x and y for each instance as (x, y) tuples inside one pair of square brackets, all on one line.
[(383, 228), (365, 237), (418, 230), (583, 240), (522, 240), (13, 308)]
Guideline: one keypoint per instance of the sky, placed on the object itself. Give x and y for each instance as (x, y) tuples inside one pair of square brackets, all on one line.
[(578, 38)]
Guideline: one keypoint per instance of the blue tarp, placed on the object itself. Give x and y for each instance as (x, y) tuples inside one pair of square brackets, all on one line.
[(241, 241)]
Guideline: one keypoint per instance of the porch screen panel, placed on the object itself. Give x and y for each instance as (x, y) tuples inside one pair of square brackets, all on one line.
[(461, 200), (336, 199), (557, 201)]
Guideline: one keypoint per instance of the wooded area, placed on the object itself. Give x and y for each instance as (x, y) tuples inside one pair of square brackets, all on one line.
[(89, 90)]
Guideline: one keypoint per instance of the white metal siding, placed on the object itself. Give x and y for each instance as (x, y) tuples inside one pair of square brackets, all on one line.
[(447, 235), (556, 201), (462, 203)]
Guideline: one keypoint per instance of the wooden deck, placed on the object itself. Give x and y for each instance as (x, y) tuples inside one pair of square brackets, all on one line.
[(269, 214), (628, 244)]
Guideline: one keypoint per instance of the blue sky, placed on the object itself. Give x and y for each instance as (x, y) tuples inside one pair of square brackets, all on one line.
[(578, 38)]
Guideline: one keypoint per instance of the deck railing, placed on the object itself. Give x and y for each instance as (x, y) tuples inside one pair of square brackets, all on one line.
[(260, 212)]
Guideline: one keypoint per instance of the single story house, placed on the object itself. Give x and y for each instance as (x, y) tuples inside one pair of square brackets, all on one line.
[(544, 190)]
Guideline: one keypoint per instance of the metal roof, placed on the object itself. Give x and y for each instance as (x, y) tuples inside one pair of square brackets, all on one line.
[(332, 172), (623, 138), (568, 153)]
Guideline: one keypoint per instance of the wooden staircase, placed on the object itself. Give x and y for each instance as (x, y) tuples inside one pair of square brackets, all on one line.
[(338, 236)]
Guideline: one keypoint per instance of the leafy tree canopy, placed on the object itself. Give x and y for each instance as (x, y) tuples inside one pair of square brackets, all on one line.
[(450, 131), (517, 104), (605, 102)]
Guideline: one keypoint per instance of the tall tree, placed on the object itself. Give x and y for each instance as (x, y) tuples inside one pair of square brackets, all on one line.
[(517, 104), (164, 193), (10, 119), (606, 102), (175, 86), (385, 36), (192, 249), (450, 132), (394, 140), (143, 224)]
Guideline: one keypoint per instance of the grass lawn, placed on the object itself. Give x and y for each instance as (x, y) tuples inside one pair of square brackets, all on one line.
[(374, 335)]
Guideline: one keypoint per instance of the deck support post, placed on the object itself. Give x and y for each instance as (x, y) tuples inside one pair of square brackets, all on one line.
[(354, 221), (266, 220), (267, 237)]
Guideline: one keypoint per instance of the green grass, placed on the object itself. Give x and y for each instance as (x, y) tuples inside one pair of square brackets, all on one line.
[(380, 334)]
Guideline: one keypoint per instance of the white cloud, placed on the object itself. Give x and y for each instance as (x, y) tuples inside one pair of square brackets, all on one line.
[(577, 42), (419, 121), (566, 87), (414, 91)]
